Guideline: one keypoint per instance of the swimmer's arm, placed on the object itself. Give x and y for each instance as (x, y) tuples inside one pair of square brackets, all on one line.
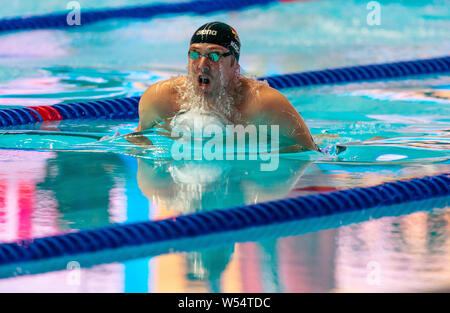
[(152, 108), (279, 111), (153, 105)]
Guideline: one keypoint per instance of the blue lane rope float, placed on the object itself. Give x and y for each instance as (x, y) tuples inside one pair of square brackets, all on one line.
[(221, 221), (360, 73), (122, 108), (55, 21), (127, 108), (216, 240)]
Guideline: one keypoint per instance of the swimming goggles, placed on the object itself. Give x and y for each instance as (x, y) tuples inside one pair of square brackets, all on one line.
[(213, 56)]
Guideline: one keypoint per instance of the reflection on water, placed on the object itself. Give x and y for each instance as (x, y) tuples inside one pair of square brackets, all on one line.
[(81, 187), (409, 253), (432, 95), (65, 84), (81, 190), (48, 193), (378, 254), (193, 186), (404, 253)]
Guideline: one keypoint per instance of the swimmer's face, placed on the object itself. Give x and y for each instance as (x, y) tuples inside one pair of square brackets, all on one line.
[(210, 76)]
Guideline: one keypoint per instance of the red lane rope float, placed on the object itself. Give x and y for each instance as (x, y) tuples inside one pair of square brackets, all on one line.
[(47, 113)]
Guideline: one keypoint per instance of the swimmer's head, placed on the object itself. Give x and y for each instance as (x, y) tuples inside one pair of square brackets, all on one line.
[(213, 57), (220, 34)]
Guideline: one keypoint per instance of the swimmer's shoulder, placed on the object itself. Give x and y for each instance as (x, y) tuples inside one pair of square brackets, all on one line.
[(158, 102), (161, 95), (260, 96)]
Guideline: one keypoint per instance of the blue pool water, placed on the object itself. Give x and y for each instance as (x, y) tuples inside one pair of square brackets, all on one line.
[(56, 178)]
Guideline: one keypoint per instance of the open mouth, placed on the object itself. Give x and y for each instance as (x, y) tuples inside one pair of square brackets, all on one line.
[(203, 80)]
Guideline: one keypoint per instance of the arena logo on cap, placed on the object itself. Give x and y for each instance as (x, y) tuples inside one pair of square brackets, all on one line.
[(207, 32)]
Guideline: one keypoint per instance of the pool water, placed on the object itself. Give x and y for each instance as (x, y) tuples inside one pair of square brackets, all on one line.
[(55, 177)]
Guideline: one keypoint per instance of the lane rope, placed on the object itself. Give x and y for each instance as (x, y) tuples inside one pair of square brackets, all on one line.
[(59, 20), (127, 108), (224, 239), (232, 219)]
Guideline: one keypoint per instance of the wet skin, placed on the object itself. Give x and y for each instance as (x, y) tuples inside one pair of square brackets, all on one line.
[(257, 103)]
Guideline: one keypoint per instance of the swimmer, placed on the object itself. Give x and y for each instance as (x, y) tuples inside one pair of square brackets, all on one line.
[(214, 84)]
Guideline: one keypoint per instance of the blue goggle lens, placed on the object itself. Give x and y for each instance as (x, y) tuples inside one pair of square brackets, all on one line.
[(213, 56)]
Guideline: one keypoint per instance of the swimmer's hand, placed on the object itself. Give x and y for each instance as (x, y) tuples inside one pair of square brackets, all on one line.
[(107, 137), (138, 139), (135, 138)]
